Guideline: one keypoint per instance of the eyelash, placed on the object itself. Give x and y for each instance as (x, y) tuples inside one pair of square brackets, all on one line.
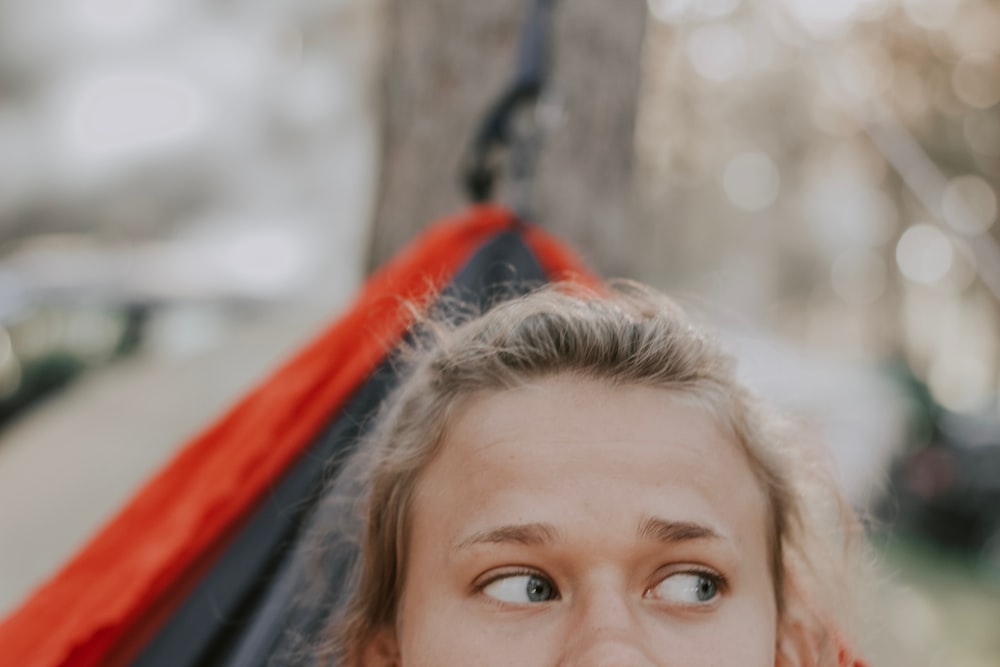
[(514, 572), (717, 578)]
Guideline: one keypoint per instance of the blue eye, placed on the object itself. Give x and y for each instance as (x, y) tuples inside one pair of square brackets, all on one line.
[(687, 588), (521, 589)]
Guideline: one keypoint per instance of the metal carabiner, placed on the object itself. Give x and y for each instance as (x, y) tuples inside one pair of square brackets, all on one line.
[(498, 131)]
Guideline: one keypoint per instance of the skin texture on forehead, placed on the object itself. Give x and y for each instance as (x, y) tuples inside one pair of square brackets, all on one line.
[(604, 494)]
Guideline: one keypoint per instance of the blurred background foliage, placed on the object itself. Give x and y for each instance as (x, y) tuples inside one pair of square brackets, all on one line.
[(821, 177), (842, 161)]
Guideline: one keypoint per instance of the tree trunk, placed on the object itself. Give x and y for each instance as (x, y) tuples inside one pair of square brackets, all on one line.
[(447, 61)]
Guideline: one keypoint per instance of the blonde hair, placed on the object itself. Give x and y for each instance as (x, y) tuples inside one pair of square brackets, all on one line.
[(629, 335)]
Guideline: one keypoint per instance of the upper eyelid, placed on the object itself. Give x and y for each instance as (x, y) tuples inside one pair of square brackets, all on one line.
[(496, 574), (480, 586), (663, 573)]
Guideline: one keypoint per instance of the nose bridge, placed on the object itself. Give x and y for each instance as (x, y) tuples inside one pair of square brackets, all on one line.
[(605, 628)]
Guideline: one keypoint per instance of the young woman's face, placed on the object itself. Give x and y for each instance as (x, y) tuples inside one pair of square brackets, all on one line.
[(571, 524)]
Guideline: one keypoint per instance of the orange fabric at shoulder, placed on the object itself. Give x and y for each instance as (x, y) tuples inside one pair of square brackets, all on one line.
[(87, 609)]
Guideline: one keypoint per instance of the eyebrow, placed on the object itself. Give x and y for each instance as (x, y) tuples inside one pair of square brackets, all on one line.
[(672, 532), (537, 534), (528, 534)]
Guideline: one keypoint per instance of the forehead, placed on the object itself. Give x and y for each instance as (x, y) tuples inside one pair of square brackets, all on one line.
[(590, 458)]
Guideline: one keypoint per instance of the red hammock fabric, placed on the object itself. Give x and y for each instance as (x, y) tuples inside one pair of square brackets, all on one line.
[(105, 593)]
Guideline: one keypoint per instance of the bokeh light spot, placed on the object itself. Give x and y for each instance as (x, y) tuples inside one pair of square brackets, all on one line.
[(718, 52), (974, 31), (977, 82), (969, 204), (959, 380), (752, 181), (924, 254)]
